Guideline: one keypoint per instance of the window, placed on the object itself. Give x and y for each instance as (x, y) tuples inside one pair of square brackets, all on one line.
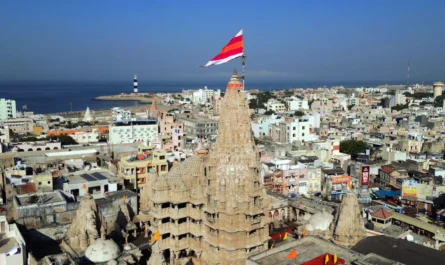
[(49, 182), (40, 183)]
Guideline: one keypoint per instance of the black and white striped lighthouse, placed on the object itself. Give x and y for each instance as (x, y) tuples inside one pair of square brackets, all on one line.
[(135, 84)]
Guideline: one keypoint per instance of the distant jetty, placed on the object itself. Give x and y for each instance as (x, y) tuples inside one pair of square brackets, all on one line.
[(142, 98)]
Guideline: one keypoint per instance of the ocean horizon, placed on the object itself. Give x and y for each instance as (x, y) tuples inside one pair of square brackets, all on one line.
[(44, 97)]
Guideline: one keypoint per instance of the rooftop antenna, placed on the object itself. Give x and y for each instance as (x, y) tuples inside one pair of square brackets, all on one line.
[(408, 75)]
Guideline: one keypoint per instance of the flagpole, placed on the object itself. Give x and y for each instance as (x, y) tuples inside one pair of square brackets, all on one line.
[(243, 62)]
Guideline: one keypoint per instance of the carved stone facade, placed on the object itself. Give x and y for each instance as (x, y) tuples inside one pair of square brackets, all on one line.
[(213, 206), (349, 226), (87, 226)]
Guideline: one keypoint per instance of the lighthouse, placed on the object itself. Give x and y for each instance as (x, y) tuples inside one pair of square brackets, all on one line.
[(135, 84)]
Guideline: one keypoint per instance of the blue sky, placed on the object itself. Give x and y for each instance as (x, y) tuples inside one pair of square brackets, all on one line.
[(168, 40)]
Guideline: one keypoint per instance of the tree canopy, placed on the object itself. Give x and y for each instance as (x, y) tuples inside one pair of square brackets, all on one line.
[(353, 147), (299, 113), (261, 99)]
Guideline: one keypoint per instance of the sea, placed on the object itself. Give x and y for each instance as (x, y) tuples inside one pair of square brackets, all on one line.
[(43, 97)]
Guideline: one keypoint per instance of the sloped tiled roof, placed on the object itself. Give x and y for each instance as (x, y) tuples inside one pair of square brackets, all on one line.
[(382, 214)]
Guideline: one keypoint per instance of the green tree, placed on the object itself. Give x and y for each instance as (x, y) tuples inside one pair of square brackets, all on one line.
[(353, 147), (310, 103), (299, 113), (64, 139), (269, 112), (399, 107), (438, 101), (351, 106), (261, 99), (288, 93)]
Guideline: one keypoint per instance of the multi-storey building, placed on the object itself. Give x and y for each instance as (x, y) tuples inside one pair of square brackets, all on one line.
[(274, 105), (294, 103), (7, 109), (19, 125), (133, 131), (134, 170), (118, 114), (4, 134), (198, 126), (212, 206)]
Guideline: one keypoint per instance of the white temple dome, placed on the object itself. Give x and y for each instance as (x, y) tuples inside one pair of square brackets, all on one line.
[(320, 221), (102, 251)]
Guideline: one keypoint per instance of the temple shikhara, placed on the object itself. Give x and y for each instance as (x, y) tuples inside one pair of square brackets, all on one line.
[(213, 204)]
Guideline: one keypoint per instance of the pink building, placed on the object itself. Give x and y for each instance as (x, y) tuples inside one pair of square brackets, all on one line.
[(323, 106)]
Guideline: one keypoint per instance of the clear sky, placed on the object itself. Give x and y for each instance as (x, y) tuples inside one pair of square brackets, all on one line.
[(164, 40)]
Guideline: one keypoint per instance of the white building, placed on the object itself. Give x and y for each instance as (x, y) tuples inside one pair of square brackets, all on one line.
[(86, 137), (12, 244), (295, 103), (275, 105), (119, 114), (260, 126), (4, 134), (299, 130), (400, 98), (202, 95), (133, 131), (7, 109)]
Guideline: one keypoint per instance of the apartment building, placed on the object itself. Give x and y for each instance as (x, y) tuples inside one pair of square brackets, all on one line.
[(7, 109), (143, 131)]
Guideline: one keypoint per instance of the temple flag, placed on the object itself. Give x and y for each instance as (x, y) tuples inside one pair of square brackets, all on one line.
[(335, 258), (326, 260), (232, 50), (156, 237), (292, 255), (84, 186), (285, 236)]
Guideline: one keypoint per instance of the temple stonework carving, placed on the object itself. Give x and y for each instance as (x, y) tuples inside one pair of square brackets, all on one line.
[(87, 226), (212, 206), (349, 226)]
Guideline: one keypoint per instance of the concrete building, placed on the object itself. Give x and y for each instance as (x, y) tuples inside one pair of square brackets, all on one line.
[(85, 137), (198, 126), (8, 109), (212, 206), (4, 134), (12, 244), (19, 125), (97, 183), (37, 146), (134, 131), (118, 114), (274, 105), (134, 170), (295, 103), (323, 106)]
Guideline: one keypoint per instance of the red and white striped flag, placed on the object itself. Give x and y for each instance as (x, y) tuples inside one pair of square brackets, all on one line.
[(233, 49)]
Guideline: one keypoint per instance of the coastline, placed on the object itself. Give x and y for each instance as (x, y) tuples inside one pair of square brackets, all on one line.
[(145, 99)]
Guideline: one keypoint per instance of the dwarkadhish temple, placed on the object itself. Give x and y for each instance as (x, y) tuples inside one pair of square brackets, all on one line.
[(212, 206)]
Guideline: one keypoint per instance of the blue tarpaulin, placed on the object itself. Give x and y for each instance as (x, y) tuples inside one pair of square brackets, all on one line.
[(386, 193)]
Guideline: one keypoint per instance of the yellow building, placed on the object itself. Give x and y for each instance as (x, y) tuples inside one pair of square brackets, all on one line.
[(148, 160), (37, 130)]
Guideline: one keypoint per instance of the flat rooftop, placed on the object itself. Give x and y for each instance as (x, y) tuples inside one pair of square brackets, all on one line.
[(42, 198), (90, 176), (308, 248)]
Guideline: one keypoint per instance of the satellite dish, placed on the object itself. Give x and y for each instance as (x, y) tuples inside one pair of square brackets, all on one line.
[(410, 238)]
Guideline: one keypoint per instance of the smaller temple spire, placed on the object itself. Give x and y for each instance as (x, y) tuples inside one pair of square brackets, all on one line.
[(235, 72)]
